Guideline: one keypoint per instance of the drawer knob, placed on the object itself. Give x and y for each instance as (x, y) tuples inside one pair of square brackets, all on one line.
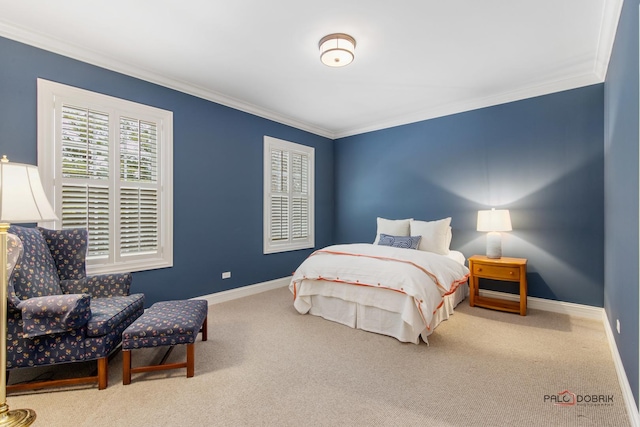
[(480, 269), (511, 273)]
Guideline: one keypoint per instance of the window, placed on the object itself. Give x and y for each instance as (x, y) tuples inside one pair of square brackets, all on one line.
[(288, 196), (106, 165)]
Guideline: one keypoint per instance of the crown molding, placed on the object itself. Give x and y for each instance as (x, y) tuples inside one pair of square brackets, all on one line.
[(475, 104), (95, 58), (610, 17), (608, 27)]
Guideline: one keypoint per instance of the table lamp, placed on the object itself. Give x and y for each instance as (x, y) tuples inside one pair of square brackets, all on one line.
[(22, 200), (494, 221)]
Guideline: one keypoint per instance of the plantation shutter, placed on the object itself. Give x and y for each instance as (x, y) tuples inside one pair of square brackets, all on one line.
[(288, 196), (139, 204), (107, 165), (279, 230), (85, 174), (300, 196), (138, 220)]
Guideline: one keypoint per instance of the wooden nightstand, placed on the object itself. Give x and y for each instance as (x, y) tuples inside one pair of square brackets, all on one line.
[(507, 269)]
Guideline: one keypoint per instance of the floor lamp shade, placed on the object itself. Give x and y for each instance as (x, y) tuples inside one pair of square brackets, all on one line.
[(494, 221), (22, 199)]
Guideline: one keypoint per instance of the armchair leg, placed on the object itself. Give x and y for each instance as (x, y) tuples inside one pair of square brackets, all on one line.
[(102, 378), (103, 373)]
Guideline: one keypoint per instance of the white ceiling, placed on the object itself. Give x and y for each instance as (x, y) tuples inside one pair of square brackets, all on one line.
[(415, 59)]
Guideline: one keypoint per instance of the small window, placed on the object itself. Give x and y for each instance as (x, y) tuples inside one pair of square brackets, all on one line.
[(106, 165), (288, 196)]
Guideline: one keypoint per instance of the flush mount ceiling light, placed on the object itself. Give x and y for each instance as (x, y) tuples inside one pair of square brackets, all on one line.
[(336, 50)]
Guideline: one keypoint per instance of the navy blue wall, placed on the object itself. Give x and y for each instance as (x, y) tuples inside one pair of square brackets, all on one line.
[(218, 170), (541, 158), (621, 191)]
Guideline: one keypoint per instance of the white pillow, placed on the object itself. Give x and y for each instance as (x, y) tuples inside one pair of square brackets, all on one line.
[(435, 235), (392, 227)]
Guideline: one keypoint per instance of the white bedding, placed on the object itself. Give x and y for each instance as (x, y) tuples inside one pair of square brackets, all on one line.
[(399, 292)]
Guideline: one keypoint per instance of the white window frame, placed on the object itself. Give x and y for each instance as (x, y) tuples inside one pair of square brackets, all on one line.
[(291, 244), (51, 96)]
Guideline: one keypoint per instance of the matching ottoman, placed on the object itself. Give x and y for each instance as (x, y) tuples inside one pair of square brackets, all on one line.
[(166, 323)]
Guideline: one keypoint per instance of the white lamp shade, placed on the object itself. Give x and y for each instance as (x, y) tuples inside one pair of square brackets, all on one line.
[(337, 50), (494, 220), (22, 198)]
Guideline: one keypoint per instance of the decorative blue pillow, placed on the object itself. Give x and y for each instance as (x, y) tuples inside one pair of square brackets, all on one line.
[(407, 242)]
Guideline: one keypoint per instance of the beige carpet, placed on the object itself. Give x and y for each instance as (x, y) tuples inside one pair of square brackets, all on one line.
[(265, 364)]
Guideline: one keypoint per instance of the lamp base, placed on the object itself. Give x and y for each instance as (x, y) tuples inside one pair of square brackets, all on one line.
[(16, 417), (494, 245)]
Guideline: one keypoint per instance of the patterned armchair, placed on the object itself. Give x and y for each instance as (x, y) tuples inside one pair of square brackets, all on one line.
[(58, 314)]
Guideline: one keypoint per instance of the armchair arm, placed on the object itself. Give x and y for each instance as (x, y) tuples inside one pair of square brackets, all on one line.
[(99, 286), (14, 253), (54, 314)]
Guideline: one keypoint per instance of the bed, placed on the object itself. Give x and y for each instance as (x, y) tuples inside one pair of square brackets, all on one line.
[(401, 290)]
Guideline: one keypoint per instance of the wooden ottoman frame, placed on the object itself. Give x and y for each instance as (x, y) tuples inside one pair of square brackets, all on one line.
[(143, 327)]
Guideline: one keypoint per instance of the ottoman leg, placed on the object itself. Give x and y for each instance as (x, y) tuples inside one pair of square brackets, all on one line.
[(204, 329), (190, 360), (126, 367)]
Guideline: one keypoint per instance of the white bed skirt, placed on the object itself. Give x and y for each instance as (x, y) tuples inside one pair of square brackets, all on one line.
[(394, 314)]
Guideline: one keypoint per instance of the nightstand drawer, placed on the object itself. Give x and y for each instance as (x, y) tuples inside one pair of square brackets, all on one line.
[(496, 271)]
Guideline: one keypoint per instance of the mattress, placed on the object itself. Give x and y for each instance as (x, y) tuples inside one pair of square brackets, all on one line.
[(378, 310)]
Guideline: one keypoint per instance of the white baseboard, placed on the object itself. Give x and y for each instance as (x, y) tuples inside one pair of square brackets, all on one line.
[(572, 309), (568, 308), (627, 394), (245, 291), (589, 312)]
